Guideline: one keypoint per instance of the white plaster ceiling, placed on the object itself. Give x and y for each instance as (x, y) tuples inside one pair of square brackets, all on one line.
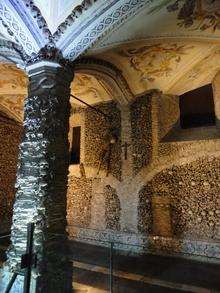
[(56, 11)]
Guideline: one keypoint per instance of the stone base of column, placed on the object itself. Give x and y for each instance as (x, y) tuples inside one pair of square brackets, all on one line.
[(47, 285), (5, 278)]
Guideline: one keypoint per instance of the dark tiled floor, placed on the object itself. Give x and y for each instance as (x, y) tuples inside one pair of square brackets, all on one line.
[(100, 281), (168, 270)]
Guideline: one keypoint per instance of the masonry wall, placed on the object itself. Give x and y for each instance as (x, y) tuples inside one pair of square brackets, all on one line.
[(10, 135), (100, 159), (170, 188), (163, 194)]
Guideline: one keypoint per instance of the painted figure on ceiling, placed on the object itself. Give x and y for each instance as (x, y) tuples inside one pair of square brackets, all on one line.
[(198, 14)]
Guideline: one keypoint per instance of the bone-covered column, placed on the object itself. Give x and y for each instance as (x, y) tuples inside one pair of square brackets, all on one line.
[(42, 177)]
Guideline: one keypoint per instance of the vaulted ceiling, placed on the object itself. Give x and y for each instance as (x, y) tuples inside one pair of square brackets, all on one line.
[(170, 45), (56, 12), (13, 90)]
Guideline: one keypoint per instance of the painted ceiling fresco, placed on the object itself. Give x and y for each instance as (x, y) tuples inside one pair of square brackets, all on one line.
[(197, 14), (200, 74), (13, 89), (12, 80), (89, 88), (154, 61), (173, 19), (164, 65)]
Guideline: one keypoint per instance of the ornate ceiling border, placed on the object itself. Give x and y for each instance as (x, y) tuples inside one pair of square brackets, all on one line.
[(17, 28), (12, 53), (107, 17), (76, 13), (45, 34), (155, 39), (107, 73)]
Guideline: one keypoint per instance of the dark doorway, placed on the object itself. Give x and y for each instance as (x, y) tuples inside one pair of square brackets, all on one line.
[(197, 108), (75, 150)]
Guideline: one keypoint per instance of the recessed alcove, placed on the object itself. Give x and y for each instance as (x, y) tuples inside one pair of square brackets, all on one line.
[(197, 119), (197, 108)]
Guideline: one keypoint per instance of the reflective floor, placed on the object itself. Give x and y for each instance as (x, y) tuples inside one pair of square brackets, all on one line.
[(148, 273)]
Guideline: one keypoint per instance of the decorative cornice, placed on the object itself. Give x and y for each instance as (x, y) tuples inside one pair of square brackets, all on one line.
[(95, 61), (76, 13), (49, 53), (110, 16), (12, 52), (41, 22)]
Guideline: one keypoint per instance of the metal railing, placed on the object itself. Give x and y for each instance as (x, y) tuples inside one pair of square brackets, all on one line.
[(28, 260)]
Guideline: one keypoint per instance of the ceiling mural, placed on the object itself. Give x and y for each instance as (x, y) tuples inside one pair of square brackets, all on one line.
[(155, 61), (89, 89), (76, 26), (12, 80), (13, 89), (163, 65), (201, 74), (13, 106), (197, 14), (167, 19), (172, 67)]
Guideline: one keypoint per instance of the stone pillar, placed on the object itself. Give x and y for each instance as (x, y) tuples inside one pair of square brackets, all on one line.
[(42, 180), (216, 95)]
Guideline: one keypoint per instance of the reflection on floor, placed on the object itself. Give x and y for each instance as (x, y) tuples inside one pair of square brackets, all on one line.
[(138, 274), (147, 273)]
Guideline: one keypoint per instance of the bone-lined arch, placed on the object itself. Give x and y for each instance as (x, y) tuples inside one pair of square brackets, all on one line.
[(109, 75)]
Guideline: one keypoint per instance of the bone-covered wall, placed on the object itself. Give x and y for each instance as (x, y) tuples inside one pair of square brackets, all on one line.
[(170, 201), (194, 201), (173, 191), (98, 131), (99, 159), (141, 124), (10, 135)]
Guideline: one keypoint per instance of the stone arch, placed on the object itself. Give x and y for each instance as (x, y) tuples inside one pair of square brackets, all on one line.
[(148, 172), (109, 74)]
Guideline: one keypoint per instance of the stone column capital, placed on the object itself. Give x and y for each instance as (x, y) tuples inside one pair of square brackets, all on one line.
[(49, 75), (49, 60)]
